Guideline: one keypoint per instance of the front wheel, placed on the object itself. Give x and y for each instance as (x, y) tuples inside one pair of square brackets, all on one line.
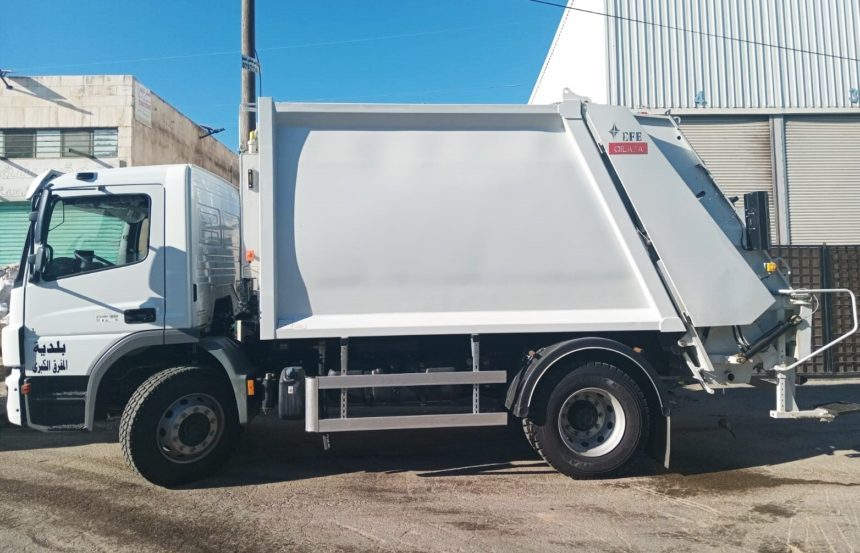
[(180, 425), (592, 423)]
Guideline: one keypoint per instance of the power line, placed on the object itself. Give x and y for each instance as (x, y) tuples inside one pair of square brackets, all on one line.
[(407, 92), (284, 47), (700, 33), (372, 96), (134, 60), (402, 35)]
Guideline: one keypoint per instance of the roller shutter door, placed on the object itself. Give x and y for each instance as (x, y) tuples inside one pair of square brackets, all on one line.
[(82, 231), (75, 229), (737, 152), (13, 230), (823, 179)]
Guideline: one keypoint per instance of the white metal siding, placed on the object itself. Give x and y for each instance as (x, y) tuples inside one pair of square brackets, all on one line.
[(737, 152), (663, 52), (823, 179)]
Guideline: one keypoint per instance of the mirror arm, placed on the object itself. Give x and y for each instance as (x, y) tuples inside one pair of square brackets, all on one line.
[(36, 260)]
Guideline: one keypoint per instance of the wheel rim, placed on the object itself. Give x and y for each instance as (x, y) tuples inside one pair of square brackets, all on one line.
[(591, 422), (190, 428)]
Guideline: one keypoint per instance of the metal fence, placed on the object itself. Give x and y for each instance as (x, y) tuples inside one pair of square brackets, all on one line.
[(828, 267)]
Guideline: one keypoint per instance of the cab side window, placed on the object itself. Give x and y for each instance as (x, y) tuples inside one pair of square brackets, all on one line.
[(94, 233)]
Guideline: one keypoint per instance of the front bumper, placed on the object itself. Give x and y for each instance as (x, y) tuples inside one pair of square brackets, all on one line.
[(13, 399)]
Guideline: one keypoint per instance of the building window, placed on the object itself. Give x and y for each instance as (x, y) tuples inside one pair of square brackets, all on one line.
[(19, 143), (77, 143), (104, 142), (49, 143)]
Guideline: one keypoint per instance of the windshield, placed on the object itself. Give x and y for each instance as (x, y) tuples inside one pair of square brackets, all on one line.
[(91, 233)]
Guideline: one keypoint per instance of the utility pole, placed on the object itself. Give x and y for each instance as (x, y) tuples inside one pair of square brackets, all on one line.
[(250, 68)]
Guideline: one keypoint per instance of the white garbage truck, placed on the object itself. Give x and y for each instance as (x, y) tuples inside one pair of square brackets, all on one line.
[(402, 267)]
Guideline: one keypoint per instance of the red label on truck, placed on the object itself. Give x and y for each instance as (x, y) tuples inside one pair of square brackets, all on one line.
[(620, 148)]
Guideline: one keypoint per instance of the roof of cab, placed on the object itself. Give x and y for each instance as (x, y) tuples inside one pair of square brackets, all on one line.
[(150, 174)]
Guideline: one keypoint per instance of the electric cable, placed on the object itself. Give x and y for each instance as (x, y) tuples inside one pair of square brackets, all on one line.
[(283, 47), (700, 33)]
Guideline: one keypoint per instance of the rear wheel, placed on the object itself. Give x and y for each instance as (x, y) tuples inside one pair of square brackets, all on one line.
[(529, 431), (592, 423), (180, 425)]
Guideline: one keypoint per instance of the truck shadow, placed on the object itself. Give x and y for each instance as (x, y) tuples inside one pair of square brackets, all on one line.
[(713, 434), (14, 438)]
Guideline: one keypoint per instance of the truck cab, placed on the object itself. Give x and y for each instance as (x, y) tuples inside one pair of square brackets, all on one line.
[(104, 278)]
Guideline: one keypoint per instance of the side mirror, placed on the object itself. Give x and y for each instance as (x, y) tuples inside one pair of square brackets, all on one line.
[(37, 260)]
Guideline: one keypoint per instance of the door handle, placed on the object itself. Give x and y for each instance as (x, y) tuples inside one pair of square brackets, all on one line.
[(139, 316)]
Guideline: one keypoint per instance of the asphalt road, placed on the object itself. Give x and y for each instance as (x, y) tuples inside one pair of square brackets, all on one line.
[(740, 482)]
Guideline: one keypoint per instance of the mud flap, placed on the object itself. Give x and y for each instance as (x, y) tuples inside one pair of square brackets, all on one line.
[(660, 445)]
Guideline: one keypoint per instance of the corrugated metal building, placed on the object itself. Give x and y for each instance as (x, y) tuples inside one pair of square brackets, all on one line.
[(767, 92)]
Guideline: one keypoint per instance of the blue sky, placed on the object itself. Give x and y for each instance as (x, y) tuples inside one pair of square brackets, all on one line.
[(187, 52)]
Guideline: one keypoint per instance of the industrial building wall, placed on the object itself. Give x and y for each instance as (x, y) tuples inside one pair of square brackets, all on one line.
[(767, 92), (739, 54), (166, 136), (728, 69)]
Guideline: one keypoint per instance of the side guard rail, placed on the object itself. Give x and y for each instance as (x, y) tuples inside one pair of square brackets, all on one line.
[(313, 386), (345, 381), (829, 345)]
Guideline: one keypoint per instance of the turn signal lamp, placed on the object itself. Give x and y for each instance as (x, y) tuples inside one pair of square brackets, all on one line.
[(251, 389), (770, 267), (250, 255)]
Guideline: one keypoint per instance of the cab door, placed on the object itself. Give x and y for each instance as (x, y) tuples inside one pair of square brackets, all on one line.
[(97, 276)]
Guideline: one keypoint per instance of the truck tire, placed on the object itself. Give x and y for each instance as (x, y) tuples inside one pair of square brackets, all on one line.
[(593, 423), (179, 426)]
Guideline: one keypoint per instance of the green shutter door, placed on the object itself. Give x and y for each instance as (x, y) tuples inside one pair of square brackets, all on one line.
[(75, 229), (13, 231)]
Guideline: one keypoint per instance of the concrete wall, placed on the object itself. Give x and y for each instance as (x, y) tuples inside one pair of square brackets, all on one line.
[(103, 101), (173, 138), (64, 102)]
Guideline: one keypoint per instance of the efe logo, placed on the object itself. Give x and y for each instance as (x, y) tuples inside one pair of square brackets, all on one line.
[(631, 143)]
